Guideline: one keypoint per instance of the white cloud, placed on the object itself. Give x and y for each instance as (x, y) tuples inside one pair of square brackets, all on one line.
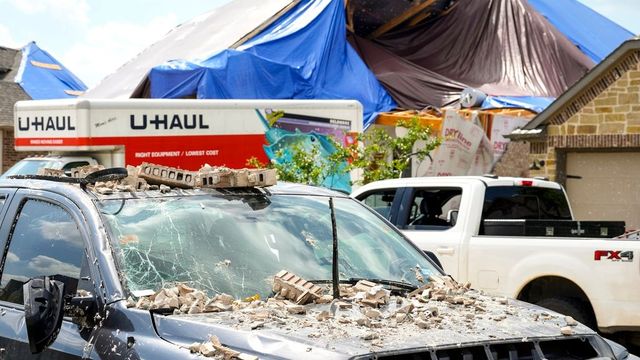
[(70, 10), (108, 46), (66, 231), (6, 39), (46, 265), (11, 257)]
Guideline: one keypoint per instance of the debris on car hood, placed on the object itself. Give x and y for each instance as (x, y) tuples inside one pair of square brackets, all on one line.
[(213, 348), (367, 317)]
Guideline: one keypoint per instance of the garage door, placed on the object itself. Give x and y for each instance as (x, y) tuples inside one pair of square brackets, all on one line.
[(609, 188)]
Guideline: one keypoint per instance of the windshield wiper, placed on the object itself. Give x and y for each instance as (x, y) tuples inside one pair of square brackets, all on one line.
[(393, 283), (398, 284)]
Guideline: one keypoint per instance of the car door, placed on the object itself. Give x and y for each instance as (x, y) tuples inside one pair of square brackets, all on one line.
[(43, 235), (429, 217)]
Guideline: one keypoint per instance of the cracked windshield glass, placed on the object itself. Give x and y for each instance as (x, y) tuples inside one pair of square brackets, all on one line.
[(235, 244)]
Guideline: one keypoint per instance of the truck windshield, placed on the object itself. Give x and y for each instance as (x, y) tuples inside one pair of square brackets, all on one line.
[(235, 244), (525, 202), (30, 167)]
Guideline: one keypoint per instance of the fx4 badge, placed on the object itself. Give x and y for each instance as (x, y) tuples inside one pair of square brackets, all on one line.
[(613, 255)]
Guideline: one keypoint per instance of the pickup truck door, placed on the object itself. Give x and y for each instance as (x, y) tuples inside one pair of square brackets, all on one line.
[(43, 234), (431, 217)]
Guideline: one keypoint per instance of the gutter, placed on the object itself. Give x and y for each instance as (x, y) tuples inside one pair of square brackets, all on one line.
[(527, 134)]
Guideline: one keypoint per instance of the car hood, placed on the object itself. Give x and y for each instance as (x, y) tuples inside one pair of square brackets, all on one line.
[(340, 329)]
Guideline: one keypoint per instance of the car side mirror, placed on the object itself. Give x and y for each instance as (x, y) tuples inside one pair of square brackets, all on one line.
[(82, 308), (43, 311), (452, 217)]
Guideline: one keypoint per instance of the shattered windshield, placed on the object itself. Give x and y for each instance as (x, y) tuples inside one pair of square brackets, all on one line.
[(234, 244)]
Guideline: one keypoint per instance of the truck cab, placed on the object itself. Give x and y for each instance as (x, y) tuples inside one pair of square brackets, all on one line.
[(516, 237)]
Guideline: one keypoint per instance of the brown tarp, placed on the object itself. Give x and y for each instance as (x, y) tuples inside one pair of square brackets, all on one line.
[(411, 86), (502, 47)]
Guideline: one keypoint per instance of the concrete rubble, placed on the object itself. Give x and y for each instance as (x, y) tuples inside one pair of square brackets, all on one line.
[(213, 348), (289, 286), (149, 176), (365, 309)]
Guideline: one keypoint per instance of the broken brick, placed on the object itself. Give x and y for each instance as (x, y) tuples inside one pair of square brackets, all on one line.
[(51, 172), (221, 177), (373, 313), (296, 309), (296, 289), (567, 330), (570, 321), (324, 315), (165, 175)]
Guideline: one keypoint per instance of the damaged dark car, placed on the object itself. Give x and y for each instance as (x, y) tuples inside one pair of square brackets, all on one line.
[(100, 270)]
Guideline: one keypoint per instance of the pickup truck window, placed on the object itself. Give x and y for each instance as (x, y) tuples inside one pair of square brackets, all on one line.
[(433, 208), (46, 241), (525, 202), (380, 201), (234, 244)]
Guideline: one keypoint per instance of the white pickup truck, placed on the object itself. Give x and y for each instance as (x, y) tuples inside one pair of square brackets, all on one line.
[(504, 235)]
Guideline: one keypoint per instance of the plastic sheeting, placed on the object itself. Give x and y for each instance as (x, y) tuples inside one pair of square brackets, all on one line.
[(303, 55), (43, 77), (411, 86), (536, 104), (501, 47), (592, 33)]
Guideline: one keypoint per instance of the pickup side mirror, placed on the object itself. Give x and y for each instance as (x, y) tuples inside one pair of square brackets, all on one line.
[(43, 311), (452, 217)]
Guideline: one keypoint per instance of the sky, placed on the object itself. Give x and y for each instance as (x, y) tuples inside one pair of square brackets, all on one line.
[(93, 38)]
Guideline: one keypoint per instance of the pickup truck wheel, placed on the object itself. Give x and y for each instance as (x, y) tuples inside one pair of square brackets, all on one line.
[(568, 306)]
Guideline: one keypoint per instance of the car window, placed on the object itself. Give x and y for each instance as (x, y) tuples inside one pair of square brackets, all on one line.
[(74, 164), (520, 202), (45, 241), (433, 208), (380, 201)]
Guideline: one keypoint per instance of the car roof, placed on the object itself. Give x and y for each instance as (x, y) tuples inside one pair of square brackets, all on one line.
[(74, 190), (57, 157), (488, 180)]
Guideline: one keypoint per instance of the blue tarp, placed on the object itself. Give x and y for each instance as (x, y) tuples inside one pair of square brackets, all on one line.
[(43, 77), (303, 55), (577, 22), (533, 103)]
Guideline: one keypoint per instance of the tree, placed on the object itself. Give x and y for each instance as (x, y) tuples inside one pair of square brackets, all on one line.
[(304, 164), (385, 157), (377, 153)]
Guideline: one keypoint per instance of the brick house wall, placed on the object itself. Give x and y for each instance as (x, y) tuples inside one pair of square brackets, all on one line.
[(514, 161), (9, 155), (609, 122)]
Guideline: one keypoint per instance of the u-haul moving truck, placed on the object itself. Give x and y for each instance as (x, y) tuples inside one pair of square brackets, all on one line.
[(179, 133)]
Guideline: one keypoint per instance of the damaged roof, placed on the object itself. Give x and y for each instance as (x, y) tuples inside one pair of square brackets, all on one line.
[(424, 52), (32, 73), (9, 60), (10, 92)]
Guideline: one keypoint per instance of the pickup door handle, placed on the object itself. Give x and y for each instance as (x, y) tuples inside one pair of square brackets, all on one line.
[(445, 250)]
